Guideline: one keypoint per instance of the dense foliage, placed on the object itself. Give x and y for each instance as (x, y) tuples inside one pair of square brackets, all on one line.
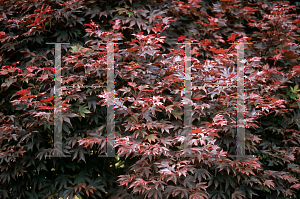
[(149, 103)]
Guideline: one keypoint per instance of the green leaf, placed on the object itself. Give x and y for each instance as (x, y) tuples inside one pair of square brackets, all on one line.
[(130, 14), (75, 49), (151, 137), (177, 113), (83, 110), (294, 90), (135, 118)]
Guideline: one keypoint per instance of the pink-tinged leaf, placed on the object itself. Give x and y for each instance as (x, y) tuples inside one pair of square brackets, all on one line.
[(269, 183), (4, 72), (237, 195), (44, 77), (117, 24), (11, 70), (277, 57), (132, 84), (89, 189), (295, 186), (199, 195), (255, 59), (79, 187)]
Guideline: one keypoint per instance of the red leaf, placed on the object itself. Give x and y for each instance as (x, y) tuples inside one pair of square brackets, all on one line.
[(16, 63), (205, 42), (200, 97), (26, 97), (277, 57), (78, 65), (156, 29), (45, 107), (296, 68), (2, 33), (23, 92), (48, 99), (181, 38), (197, 130)]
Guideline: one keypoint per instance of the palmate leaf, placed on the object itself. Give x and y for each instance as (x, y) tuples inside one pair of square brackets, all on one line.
[(72, 165), (229, 180), (3, 193), (83, 110), (269, 183), (237, 195), (247, 191), (79, 151), (40, 166), (155, 193), (48, 188), (68, 193), (38, 181), (168, 191), (92, 103), (89, 189), (218, 194), (151, 137), (6, 176), (201, 174), (199, 195), (180, 191), (8, 82), (32, 195), (98, 185), (177, 113), (82, 177), (164, 77), (189, 182), (63, 181)]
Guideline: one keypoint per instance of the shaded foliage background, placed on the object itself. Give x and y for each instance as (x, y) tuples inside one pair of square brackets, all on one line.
[(149, 73)]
